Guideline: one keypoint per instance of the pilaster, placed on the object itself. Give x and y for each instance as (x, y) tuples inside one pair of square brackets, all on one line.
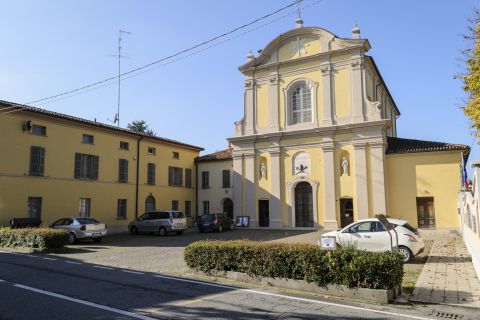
[(329, 186), (249, 187), (273, 103), (275, 176), (249, 107), (377, 151), (356, 89), (327, 94), (237, 185), (361, 187)]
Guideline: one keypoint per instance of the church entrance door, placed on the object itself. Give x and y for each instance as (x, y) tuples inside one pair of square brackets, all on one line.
[(303, 205), (346, 212)]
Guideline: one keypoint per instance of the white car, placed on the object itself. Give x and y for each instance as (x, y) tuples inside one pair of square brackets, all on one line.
[(370, 235)]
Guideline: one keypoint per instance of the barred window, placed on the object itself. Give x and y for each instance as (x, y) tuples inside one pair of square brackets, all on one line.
[(205, 180), (188, 209), (175, 177), (122, 209), (35, 207), (39, 130), (206, 206), (301, 105), (88, 139)]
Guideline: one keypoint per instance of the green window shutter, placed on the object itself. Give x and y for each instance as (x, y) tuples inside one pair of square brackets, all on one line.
[(170, 177), (41, 161), (95, 167), (180, 176), (78, 165), (33, 170)]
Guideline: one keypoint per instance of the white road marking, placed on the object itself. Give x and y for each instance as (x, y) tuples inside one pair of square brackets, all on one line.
[(333, 304), (71, 262), (102, 267), (51, 259), (30, 256), (134, 272), (87, 303)]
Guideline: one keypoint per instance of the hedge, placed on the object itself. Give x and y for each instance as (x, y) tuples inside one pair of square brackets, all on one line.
[(347, 266), (35, 238)]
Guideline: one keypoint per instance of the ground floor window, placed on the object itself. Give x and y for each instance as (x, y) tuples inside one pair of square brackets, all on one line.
[(35, 207), (206, 206), (84, 208), (175, 205), (425, 212), (188, 209), (150, 204), (122, 209)]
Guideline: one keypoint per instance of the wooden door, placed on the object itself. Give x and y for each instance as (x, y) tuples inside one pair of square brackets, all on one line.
[(264, 213), (426, 212), (303, 205), (346, 212)]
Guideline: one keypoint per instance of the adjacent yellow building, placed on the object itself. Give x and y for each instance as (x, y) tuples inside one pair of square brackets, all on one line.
[(318, 147), (54, 165)]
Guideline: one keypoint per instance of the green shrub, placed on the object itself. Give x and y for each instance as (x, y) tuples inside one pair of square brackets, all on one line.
[(35, 238), (349, 267)]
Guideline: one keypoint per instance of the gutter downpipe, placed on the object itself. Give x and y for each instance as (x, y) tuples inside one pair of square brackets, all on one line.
[(196, 191), (136, 182)]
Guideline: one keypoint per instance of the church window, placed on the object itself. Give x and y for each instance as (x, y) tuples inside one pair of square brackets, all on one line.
[(301, 100)]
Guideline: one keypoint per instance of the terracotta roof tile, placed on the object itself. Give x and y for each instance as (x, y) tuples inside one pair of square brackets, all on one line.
[(401, 145), (216, 156), (11, 106)]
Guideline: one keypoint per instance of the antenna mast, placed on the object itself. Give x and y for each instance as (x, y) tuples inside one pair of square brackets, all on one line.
[(120, 56)]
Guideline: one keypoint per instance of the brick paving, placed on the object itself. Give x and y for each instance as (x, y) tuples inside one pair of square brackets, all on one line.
[(448, 276)]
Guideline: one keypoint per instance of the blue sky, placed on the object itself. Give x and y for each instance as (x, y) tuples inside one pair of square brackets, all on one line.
[(52, 46)]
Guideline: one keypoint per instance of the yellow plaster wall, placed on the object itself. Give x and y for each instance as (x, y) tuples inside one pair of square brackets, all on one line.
[(435, 174), (262, 113), (342, 93), (61, 192)]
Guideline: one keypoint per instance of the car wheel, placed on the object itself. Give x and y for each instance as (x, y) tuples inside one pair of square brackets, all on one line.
[(406, 253), (71, 238), (134, 230), (97, 240), (220, 228), (179, 233), (162, 231)]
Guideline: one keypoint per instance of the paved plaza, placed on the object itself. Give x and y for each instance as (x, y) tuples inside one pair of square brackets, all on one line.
[(448, 276)]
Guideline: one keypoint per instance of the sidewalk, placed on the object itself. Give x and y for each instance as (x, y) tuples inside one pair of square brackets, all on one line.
[(448, 276)]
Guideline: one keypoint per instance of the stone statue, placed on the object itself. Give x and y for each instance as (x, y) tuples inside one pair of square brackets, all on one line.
[(263, 171), (344, 166)]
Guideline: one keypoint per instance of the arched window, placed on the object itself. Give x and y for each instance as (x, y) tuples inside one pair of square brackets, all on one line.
[(301, 101)]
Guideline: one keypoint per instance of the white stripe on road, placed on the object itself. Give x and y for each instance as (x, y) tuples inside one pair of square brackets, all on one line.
[(51, 259), (87, 303), (134, 272), (71, 262), (102, 267), (333, 304)]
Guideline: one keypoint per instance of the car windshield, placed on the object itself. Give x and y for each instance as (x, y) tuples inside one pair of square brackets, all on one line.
[(87, 221), (410, 228), (178, 215), (207, 217)]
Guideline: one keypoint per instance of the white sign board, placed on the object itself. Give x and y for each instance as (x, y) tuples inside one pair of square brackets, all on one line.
[(328, 243)]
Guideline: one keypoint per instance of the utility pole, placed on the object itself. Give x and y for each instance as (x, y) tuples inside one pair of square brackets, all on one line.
[(120, 56)]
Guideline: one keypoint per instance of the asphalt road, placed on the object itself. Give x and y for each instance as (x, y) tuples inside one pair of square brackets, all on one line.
[(47, 287)]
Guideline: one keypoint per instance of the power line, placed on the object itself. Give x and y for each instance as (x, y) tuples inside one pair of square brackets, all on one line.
[(170, 56)]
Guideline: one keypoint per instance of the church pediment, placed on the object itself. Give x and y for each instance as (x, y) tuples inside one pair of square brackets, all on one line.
[(300, 43)]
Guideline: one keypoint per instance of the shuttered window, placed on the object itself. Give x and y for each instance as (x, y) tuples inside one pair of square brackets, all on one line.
[(35, 207), (188, 178), (86, 166), (175, 177), (205, 180), (122, 170), (151, 173), (37, 161), (226, 179)]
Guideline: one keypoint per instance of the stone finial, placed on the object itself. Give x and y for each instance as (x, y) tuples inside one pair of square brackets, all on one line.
[(250, 56), (298, 23), (356, 32)]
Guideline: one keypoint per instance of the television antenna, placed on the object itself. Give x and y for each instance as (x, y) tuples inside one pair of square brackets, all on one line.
[(119, 55)]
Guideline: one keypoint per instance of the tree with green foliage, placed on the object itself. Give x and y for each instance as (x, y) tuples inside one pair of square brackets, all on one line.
[(471, 78), (140, 126)]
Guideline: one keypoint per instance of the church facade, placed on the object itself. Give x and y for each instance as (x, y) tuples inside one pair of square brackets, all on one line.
[(318, 147)]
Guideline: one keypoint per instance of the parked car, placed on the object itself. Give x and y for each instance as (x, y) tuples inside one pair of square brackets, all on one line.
[(214, 222), (369, 234), (162, 222), (81, 228)]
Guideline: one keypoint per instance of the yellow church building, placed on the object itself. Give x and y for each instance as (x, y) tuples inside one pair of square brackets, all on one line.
[(318, 147)]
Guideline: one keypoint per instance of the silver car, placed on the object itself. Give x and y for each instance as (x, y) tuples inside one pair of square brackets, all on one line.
[(162, 222), (81, 228)]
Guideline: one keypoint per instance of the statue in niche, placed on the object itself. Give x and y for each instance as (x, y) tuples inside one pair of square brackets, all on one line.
[(344, 166), (263, 171)]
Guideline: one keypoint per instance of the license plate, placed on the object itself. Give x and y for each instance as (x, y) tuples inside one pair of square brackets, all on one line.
[(96, 234), (179, 225), (206, 224)]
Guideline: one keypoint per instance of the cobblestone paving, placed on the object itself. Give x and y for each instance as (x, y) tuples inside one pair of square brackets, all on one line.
[(448, 276)]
